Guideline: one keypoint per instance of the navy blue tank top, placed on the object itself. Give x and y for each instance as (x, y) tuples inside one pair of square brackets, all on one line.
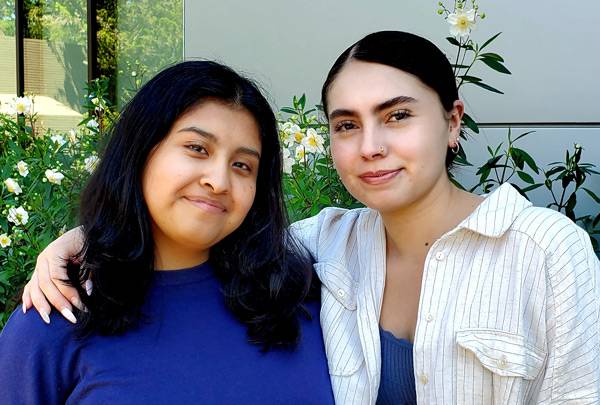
[(397, 384)]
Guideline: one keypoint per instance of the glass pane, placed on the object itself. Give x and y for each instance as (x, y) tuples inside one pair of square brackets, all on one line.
[(150, 37), (55, 46), (8, 58)]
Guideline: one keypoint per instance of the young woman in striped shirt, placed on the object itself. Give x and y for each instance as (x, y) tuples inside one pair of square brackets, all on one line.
[(431, 294)]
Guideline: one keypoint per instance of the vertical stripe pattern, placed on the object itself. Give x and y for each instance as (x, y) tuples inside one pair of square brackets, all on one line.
[(509, 311)]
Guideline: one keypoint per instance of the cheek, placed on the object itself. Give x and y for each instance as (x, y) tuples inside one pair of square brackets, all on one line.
[(343, 155), (245, 196)]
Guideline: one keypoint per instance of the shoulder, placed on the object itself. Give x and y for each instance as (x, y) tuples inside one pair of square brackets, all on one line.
[(27, 335), (552, 231), (37, 358), (333, 222), (332, 216), (569, 257)]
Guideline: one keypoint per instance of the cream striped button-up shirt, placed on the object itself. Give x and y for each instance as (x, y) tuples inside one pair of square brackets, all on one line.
[(509, 309)]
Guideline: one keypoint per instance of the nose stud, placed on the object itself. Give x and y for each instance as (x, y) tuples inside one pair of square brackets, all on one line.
[(381, 149)]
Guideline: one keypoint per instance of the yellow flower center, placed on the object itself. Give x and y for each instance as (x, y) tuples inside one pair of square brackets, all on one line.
[(463, 22), (298, 136)]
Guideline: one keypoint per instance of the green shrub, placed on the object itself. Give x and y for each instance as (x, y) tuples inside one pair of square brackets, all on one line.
[(41, 172)]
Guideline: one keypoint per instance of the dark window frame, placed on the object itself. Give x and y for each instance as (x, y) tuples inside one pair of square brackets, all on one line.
[(92, 43)]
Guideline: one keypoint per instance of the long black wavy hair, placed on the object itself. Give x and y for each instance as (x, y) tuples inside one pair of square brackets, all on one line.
[(265, 278), (407, 52)]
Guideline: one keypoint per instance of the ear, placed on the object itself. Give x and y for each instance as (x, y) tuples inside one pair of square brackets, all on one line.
[(454, 121)]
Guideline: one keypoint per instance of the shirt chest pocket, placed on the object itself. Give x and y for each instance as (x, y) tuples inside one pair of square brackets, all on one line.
[(339, 319), (498, 366), (502, 353)]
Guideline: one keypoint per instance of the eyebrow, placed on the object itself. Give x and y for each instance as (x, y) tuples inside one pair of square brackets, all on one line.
[(341, 112), (213, 138)]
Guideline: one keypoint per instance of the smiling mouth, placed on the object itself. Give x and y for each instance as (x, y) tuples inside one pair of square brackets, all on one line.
[(380, 176), (207, 205)]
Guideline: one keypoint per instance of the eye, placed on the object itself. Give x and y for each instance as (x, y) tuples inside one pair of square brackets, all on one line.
[(398, 115), (344, 126), (242, 166), (197, 148)]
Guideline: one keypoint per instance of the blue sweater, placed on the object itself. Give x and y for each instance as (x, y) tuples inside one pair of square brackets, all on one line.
[(190, 350)]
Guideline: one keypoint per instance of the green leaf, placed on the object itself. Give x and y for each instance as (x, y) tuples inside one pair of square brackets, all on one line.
[(517, 157), (489, 41), (488, 87), (554, 170), (287, 110), (459, 66), (528, 159), (470, 79), (453, 41), (497, 66), (470, 123), (532, 187), (491, 55), (302, 101), (525, 177), (522, 135), (591, 194)]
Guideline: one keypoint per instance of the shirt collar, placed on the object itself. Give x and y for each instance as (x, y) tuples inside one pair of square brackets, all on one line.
[(494, 216)]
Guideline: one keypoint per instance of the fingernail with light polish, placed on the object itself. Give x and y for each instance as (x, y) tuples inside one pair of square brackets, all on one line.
[(88, 287), (78, 304), (45, 316), (66, 312), (24, 308)]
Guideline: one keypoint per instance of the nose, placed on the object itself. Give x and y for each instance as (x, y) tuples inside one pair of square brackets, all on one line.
[(372, 144), (216, 178)]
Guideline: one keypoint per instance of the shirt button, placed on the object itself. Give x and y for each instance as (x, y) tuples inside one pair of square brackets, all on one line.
[(423, 379), (439, 256), (341, 293), (429, 318), (502, 362)]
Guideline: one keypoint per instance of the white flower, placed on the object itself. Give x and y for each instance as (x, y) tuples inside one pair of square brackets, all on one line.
[(92, 124), (54, 176), (58, 139), (4, 240), (73, 136), (133, 74), (95, 101), (286, 138), (313, 142), (288, 161), (23, 168), (90, 163), (297, 134), (12, 186), (461, 22), (18, 216), (22, 105), (300, 153)]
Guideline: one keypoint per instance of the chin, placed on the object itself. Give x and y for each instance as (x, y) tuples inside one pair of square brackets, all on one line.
[(386, 202)]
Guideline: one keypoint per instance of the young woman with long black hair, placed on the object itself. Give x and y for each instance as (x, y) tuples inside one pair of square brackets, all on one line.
[(431, 295), (184, 238)]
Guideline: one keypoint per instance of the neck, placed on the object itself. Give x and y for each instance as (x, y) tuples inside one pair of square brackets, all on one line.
[(412, 230), (177, 257)]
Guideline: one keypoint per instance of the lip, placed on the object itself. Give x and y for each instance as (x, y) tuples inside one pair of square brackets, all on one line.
[(380, 176), (207, 204)]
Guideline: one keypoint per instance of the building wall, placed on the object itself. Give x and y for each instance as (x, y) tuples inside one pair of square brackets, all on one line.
[(550, 47)]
